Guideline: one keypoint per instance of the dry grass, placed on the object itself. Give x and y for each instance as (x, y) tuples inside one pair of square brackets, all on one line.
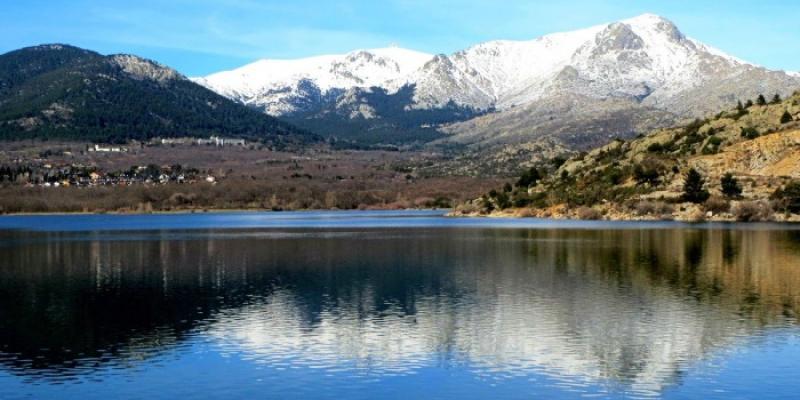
[(753, 211), (588, 213), (652, 208)]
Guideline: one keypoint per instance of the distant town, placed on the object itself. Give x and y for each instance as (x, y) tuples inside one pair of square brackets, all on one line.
[(42, 173)]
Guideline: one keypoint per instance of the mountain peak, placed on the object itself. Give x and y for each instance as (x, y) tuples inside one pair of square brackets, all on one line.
[(647, 19), (655, 24)]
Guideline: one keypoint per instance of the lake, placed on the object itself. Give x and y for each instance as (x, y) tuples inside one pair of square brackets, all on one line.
[(395, 305)]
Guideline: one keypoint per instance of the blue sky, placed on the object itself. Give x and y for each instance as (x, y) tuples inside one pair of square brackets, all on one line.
[(202, 36)]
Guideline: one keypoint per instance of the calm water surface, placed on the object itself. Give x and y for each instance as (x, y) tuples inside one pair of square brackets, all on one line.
[(395, 305)]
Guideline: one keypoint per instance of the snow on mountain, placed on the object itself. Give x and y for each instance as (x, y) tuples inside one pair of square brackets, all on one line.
[(644, 60), (634, 58), (276, 84)]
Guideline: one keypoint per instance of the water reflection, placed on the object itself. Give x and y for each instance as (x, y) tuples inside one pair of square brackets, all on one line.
[(629, 309)]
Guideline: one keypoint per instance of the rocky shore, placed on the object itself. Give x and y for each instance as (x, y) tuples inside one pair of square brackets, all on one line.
[(743, 211)]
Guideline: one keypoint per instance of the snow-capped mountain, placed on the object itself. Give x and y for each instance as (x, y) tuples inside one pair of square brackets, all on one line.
[(645, 61), (279, 86)]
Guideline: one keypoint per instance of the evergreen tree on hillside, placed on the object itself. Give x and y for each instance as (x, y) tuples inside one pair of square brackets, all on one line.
[(786, 117), (776, 99), (693, 187), (762, 101), (788, 197), (748, 104), (529, 178), (739, 106), (730, 186)]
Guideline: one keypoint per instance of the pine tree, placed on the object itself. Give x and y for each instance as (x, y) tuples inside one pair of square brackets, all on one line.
[(693, 187), (776, 99), (748, 104), (762, 101), (529, 178), (786, 117), (739, 106), (730, 186)]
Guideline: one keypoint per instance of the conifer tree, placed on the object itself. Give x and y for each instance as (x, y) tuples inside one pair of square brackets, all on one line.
[(776, 99), (693, 187), (730, 186), (762, 101), (786, 117)]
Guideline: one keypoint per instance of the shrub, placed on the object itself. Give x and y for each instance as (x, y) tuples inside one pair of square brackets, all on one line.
[(730, 186), (753, 211), (503, 200), (717, 205), (750, 133), (487, 204), (786, 117), (468, 208), (613, 176), (788, 198), (694, 127), (588, 213), (655, 148), (647, 173), (644, 208), (693, 187), (530, 178)]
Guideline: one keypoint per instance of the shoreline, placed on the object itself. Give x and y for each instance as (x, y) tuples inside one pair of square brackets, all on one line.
[(689, 214), (210, 211), (515, 213)]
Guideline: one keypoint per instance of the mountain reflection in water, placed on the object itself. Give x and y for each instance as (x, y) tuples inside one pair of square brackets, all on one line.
[(629, 310)]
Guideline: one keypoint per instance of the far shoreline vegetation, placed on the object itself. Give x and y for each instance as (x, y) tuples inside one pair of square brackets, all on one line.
[(69, 177), (740, 165)]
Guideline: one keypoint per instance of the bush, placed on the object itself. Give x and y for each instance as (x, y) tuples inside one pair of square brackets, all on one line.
[(645, 208), (788, 198), (730, 186), (613, 176), (750, 133), (753, 211), (655, 148), (786, 117), (647, 173), (717, 205), (693, 187), (529, 178), (503, 200), (589, 214)]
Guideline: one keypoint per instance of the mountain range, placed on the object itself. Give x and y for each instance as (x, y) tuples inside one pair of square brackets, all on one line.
[(60, 91), (576, 89)]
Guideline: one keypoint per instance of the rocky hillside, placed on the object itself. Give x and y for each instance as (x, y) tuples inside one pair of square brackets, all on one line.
[(59, 91), (742, 163)]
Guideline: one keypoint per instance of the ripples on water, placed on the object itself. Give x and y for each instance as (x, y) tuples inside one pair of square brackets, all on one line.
[(427, 312)]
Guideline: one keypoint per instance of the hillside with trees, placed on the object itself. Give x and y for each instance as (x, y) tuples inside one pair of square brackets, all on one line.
[(740, 164), (59, 91)]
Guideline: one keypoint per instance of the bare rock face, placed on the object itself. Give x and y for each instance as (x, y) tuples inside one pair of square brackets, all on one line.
[(141, 69)]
